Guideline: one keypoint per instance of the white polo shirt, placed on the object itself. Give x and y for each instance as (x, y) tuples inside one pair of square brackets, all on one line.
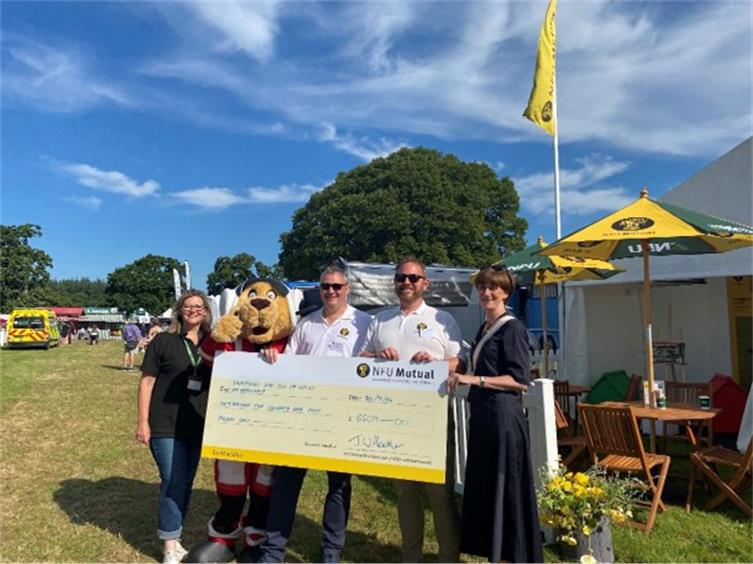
[(345, 337), (426, 329)]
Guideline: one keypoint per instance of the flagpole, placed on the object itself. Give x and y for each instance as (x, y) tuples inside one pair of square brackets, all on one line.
[(558, 224)]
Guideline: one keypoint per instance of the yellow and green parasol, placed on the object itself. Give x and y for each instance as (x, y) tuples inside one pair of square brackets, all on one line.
[(647, 227)]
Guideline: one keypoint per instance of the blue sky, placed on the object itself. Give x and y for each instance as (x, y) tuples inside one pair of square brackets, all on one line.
[(195, 130)]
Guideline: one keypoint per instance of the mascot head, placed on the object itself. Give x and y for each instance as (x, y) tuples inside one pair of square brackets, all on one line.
[(261, 314)]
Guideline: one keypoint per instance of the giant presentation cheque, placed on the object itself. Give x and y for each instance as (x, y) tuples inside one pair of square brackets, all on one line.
[(355, 415)]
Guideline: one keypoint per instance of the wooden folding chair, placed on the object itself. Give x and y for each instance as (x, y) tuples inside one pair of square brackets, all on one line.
[(562, 396), (567, 439), (733, 488), (615, 444), (681, 392), (633, 387)]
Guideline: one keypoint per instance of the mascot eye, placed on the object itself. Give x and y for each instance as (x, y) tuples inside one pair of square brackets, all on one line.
[(271, 295), (252, 294)]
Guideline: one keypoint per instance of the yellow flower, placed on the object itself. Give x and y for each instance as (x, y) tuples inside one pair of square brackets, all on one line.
[(581, 478), (569, 540), (586, 530), (588, 559)]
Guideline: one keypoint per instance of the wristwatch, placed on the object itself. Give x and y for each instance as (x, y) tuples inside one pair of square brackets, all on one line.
[(481, 381)]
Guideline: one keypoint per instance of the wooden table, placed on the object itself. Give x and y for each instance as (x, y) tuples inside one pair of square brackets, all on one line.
[(683, 413)]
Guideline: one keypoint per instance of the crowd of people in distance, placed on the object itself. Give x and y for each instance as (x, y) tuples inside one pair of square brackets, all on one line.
[(498, 520)]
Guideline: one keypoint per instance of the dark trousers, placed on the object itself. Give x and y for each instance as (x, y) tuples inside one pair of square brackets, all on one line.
[(282, 507)]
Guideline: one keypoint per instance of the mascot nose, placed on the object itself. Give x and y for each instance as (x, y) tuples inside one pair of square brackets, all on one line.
[(260, 303)]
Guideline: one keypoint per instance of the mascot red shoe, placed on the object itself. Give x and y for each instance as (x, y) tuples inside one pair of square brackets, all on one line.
[(262, 317)]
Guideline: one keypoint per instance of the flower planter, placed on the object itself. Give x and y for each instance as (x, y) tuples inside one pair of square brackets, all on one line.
[(600, 544)]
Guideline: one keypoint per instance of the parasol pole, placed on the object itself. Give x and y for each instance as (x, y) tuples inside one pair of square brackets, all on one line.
[(542, 297), (647, 315), (647, 321)]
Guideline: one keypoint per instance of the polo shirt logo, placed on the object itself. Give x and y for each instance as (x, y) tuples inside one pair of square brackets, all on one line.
[(421, 327), (344, 332)]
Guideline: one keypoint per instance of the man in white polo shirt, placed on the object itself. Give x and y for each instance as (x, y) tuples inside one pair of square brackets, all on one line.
[(418, 332), (337, 329)]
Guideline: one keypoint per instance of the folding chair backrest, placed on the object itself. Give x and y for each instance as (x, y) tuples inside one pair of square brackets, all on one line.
[(561, 391), (560, 417), (681, 392), (748, 457), (611, 430), (632, 391)]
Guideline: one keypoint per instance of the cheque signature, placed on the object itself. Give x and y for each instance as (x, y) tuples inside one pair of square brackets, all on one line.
[(373, 441)]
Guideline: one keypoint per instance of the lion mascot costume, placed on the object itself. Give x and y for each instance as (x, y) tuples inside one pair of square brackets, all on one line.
[(263, 316)]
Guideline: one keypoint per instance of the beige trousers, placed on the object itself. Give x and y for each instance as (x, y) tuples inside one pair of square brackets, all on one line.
[(410, 511)]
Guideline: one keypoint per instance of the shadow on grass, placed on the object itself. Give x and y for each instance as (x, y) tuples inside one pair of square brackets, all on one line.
[(127, 508), (305, 545)]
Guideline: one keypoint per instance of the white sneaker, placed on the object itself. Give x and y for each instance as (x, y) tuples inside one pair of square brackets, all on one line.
[(175, 555)]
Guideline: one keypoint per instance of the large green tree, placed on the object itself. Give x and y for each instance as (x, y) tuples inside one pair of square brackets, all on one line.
[(229, 272), (24, 269), (146, 282), (79, 292), (414, 202)]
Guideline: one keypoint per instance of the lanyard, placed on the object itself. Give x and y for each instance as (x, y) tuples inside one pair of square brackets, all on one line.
[(194, 360)]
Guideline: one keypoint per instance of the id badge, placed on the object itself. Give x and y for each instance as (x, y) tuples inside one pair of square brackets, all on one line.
[(194, 384)]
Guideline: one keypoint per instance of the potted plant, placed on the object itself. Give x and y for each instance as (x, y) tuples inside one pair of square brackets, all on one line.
[(580, 506)]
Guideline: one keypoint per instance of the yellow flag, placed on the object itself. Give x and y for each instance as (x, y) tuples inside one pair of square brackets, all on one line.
[(540, 108)]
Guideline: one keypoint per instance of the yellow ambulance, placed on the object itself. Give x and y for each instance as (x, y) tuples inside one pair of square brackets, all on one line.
[(33, 328)]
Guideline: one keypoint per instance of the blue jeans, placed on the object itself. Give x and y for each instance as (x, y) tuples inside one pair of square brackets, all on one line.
[(282, 506), (177, 461)]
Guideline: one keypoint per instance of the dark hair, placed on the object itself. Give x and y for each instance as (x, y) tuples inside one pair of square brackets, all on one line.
[(176, 323), (411, 260), (496, 276)]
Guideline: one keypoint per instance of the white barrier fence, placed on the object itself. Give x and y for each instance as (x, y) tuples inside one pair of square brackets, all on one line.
[(538, 402)]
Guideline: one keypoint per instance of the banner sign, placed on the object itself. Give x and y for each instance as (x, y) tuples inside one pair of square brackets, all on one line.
[(354, 415)]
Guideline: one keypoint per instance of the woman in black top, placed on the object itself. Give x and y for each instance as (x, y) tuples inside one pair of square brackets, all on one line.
[(171, 406), (500, 518)]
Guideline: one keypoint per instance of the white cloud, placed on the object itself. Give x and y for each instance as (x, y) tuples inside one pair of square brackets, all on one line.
[(249, 27), (215, 199), (109, 180), (289, 193), (632, 75), (220, 198), (576, 195), (54, 78), (635, 75), (362, 147), (88, 202)]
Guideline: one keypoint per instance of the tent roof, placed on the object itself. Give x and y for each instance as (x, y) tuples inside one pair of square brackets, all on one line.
[(371, 285)]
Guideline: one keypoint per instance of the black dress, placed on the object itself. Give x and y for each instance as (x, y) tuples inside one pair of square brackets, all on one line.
[(500, 519)]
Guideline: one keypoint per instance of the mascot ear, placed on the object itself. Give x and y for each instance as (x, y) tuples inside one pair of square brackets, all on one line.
[(282, 289)]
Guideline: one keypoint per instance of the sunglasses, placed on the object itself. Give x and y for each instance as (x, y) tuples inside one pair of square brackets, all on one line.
[(336, 287), (414, 278)]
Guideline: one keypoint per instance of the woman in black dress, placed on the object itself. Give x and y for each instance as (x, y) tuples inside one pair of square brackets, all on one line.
[(500, 519)]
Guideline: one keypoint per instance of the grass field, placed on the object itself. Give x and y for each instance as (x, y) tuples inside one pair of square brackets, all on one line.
[(75, 485)]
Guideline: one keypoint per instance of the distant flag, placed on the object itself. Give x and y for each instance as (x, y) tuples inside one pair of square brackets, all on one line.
[(540, 108)]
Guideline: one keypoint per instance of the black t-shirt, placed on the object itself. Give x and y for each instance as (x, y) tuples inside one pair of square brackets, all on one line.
[(174, 410)]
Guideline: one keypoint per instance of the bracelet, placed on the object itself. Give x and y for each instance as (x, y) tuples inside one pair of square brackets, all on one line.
[(481, 381)]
